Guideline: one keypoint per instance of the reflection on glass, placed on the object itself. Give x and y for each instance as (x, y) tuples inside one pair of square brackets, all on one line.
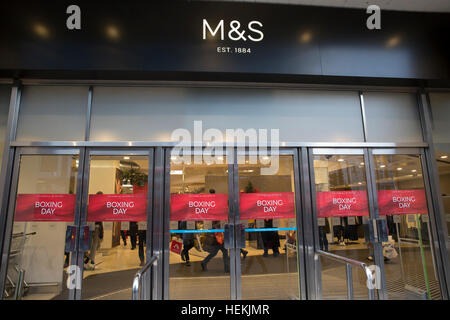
[(45, 206), (409, 262), (117, 210), (342, 207), (199, 211), (267, 209)]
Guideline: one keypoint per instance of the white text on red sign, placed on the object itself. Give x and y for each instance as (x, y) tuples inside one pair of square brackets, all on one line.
[(48, 207), (119, 207)]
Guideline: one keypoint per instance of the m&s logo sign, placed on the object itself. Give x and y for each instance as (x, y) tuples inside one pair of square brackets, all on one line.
[(234, 31)]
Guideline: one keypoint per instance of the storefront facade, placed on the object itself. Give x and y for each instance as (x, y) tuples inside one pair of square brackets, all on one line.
[(91, 186)]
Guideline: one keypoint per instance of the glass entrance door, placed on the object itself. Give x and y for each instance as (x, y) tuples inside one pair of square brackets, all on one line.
[(43, 211), (79, 221), (403, 201), (115, 210), (231, 229), (198, 258), (266, 258), (341, 194), (373, 206)]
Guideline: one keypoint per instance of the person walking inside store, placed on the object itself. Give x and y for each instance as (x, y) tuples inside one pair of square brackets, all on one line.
[(142, 235), (188, 242), (323, 230), (97, 237), (271, 239), (215, 243), (133, 234)]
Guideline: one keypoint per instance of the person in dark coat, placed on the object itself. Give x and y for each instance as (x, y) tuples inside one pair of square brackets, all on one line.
[(271, 239)]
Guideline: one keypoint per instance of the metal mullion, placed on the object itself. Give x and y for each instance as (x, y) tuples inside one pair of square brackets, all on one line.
[(83, 188), (287, 145), (233, 218), (236, 252), (314, 277), (363, 114), (9, 222), (162, 215), (89, 114), (302, 205), (372, 194), (148, 294), (79, 210)]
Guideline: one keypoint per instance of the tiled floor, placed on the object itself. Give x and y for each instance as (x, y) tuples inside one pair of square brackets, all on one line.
[(262, 277)]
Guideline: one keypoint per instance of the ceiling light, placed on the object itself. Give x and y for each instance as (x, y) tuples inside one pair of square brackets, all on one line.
[(444, 157), (414, 170), (112, 32), (362, 163), (340, 160), (399, 169), (176, 172), (383, 166), (305, 37), (41, 30), (126, 158)]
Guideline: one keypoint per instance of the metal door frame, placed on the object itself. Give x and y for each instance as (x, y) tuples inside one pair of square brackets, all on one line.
[(374, 210), (315, 288), (233, 218), (149, 152), (7, 228), (299, 202), (435, 227), (164, 155)]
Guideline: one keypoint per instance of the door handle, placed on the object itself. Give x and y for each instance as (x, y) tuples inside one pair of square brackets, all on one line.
[(71, 235), (376, 230), (240, 235), (228, 236), (85, 239)]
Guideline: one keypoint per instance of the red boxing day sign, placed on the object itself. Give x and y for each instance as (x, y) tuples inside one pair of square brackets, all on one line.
[(45, 207), (117, 207), (266, 205), (402, 202), (342, 203), (199, 207)]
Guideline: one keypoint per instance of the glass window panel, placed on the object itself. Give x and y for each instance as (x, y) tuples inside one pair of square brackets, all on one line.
[(408, 255), (52, 113), (269, 263), (117, 219), (342, 208), (151, 114), (392, 117), (45, 208), (199, 264)]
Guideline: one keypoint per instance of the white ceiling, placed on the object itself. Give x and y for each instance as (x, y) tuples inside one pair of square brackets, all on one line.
[(402, 5)]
